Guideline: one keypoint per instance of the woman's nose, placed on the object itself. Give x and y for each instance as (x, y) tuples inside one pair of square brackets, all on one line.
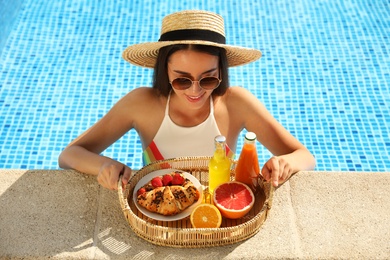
[(196, 86)]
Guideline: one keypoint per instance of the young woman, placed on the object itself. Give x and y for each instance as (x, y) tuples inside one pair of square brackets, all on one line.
[(189, 104)]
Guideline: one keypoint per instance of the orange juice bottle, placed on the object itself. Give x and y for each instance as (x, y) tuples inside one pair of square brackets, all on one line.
[(247, 168), (219, 165)]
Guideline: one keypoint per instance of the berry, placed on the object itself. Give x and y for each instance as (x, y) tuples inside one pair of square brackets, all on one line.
[(178, 179), (167, 179), (141, 191), (157, 182)]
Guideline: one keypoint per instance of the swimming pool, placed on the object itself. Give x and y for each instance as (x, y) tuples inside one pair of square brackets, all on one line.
[(324, 73)]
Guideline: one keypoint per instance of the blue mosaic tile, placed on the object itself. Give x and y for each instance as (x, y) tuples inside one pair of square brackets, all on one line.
[(324, 74)]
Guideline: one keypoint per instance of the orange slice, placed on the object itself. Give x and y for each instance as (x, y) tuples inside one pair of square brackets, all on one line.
[(206, 216)]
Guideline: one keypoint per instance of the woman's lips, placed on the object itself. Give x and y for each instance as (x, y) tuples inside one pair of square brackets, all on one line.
[(195, 98)]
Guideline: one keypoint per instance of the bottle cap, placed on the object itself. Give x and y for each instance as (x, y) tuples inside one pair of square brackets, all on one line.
[(250, 136), (220, 139)]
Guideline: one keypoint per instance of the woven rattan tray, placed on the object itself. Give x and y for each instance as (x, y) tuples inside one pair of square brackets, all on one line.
[(180, 233)]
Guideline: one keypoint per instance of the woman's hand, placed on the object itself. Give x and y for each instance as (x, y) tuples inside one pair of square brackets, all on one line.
[(277, 170), (109, 173)]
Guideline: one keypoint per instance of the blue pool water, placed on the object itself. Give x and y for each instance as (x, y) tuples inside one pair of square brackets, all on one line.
[(324, 73)]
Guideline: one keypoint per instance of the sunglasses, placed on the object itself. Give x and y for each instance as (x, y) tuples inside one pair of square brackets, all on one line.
[(207, 83)]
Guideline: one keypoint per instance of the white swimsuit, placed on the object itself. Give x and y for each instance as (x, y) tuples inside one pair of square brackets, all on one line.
[(173, 141)]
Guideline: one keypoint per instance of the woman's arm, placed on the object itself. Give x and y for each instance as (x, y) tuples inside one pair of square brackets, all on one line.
[(83, 154)]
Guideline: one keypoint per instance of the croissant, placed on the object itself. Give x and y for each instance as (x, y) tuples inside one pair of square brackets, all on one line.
[(169, 200)]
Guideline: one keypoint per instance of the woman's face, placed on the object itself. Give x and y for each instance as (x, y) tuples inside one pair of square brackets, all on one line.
[(195, 66)]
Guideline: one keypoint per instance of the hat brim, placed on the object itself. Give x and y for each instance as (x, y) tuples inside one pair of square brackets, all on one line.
[(145, 54)]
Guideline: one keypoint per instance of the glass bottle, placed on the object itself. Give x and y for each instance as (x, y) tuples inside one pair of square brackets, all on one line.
[(219, 165), (247, 169)]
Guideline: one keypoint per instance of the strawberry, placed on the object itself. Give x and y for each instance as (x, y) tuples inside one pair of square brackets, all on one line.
[(157, 182), (167, 179), (141, 191), (178, 179)]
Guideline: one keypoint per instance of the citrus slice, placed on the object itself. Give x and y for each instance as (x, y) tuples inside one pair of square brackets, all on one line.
[(233, 199), (206, 216)]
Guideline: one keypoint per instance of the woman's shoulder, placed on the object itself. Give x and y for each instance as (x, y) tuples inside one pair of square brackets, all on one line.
[(238, 95), (241, 100), (141, 101), (143, 96), (143, 92)]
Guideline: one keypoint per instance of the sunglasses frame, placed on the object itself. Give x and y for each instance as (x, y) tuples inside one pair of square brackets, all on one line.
[(193, 81)]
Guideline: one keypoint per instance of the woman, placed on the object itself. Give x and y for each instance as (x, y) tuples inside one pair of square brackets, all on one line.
[(190, 103)]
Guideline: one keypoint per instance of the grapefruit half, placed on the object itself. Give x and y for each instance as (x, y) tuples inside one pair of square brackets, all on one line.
[(233, 199)]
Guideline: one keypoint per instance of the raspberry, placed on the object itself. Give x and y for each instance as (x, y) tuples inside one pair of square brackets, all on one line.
[(157, 182), (178, 179), (167, 179), (141, 191)]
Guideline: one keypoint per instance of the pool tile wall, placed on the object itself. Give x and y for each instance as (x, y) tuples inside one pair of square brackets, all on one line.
[(324, 74), (9, 13)]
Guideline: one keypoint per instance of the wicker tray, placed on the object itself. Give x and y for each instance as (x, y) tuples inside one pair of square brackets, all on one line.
[(180, 233)]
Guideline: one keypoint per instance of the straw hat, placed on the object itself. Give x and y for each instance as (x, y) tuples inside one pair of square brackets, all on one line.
[(190, 27)]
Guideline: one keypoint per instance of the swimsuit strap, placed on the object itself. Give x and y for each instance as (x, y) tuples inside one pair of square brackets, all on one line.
[(167, 106), (211, 106)]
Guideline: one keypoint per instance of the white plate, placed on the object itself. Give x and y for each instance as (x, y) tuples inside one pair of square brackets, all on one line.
[(157, 216)]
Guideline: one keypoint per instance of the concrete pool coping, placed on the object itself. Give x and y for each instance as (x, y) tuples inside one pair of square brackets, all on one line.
[(66, 215)]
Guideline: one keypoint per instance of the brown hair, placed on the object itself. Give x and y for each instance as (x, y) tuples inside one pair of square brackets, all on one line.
[(160, 76)]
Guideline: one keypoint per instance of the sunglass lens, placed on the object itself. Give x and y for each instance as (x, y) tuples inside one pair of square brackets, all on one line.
[(181, 83), (209, 83)]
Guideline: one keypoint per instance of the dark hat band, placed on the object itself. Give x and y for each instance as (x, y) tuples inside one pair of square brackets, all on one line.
[(193, 34)]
